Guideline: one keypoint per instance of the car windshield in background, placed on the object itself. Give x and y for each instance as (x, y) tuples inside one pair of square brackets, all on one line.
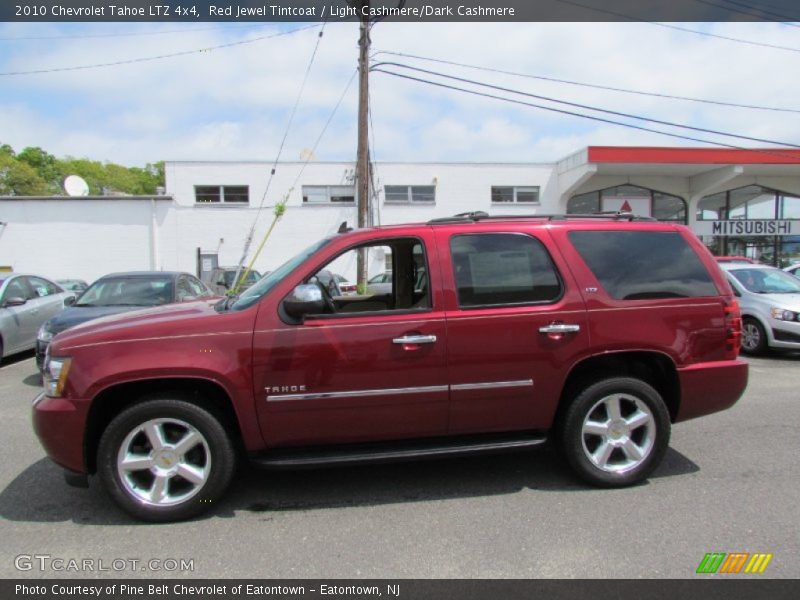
[(767, 281), (125, 291), (254, 293), (252, 277)]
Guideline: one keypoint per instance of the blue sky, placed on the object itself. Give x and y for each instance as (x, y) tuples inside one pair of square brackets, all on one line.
[(233, 103)]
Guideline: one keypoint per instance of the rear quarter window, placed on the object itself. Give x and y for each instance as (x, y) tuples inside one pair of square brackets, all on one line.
[(640, 265)]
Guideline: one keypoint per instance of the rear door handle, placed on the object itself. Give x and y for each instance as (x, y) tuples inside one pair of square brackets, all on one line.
[(560, 328), (415, 339)]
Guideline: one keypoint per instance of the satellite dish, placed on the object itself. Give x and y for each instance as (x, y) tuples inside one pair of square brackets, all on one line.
[(307, 155), (75, 185)]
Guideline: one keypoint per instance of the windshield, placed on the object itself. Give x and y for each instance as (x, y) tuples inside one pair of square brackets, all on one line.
[(767, 281), (128, 291), (254, 293)]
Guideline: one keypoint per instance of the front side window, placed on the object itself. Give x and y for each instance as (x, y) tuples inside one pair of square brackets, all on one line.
[(522, 195), (17, 288), (425, 194), (397, 278), (497, 269), (221, 194), (640, 265), (767, 281)]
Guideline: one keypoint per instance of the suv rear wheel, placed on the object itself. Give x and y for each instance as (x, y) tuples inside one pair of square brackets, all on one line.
[(615, 432), (165, 459)]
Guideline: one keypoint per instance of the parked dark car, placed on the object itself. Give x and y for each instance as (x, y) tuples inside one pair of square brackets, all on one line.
[(118, 293), (222, 278), (73, 285)]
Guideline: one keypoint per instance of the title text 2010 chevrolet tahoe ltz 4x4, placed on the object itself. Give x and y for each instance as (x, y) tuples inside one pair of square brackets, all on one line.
[(497, 333)]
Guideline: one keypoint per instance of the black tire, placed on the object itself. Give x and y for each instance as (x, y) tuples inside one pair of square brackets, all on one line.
[(609, 460), (754, 337), (159, 491)]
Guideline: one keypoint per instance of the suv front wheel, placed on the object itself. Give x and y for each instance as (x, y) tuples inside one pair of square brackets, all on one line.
[(615, 432), (165, 459)]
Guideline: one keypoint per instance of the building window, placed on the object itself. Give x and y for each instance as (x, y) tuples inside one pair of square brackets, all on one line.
[(522, 195), (755, 203), (630, 198), (329, 194), (221, 194), (418, 194)]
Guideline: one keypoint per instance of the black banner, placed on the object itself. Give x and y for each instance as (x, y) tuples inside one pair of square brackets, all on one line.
[(398, 10), (408, 589)]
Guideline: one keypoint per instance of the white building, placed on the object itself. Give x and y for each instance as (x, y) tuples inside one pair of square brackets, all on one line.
[(211, 206)]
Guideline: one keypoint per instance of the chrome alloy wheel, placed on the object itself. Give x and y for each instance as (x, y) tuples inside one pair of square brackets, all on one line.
[(163, 462), (618, 433), (751, 336)]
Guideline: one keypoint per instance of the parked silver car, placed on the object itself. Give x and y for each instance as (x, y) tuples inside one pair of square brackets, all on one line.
[(26, 301), (770, 302)]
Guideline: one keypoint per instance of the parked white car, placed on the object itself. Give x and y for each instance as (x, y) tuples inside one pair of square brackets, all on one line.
[(770, 304), (26, 301), (793, 269)]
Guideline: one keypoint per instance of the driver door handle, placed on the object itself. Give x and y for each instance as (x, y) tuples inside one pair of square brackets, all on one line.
[(415, 339), (560, 328)]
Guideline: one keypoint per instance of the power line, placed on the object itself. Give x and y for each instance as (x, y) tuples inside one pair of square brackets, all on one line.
[(588, 107), (324, 129), (249, 239), (725, 37), (126, 33), (589, 85), (589, 117), (159, 57), (291, 119), (749, 10), (677, 28)]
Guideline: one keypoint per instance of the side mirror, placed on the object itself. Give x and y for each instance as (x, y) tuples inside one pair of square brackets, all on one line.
[(305, 299), (14, 301), (69, 300)]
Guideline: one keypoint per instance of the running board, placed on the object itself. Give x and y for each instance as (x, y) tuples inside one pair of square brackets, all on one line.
[(393, 452)]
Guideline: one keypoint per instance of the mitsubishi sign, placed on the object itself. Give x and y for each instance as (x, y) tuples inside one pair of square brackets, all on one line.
[(748, 227)]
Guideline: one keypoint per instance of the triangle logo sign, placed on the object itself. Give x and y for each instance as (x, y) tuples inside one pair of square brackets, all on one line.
[(626, 207)]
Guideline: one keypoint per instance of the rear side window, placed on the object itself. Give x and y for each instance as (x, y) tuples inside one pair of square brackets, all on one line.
[(639, 265), (496, 269)]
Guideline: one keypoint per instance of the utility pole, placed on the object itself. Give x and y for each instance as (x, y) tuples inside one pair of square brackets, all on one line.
[(362, 158)]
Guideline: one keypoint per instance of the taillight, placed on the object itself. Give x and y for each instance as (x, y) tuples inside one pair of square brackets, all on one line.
[(733, 329)]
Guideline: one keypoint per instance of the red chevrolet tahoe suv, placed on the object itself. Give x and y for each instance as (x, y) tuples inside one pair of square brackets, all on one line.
[(498, 333)]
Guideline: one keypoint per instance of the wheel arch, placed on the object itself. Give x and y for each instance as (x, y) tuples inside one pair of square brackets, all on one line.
[(655, 368), (761, 321), (111, 401)]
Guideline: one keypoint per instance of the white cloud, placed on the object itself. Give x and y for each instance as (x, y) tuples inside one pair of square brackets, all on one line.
[(234, 103)]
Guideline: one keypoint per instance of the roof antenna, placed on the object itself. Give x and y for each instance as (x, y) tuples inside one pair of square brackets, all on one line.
[(343, 228)]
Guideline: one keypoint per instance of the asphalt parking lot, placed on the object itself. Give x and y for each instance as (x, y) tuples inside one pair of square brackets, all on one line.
[(729, 483)]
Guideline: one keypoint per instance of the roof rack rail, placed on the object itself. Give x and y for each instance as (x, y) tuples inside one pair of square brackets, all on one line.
[(472, 217)]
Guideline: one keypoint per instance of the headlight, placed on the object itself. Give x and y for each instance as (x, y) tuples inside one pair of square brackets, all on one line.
[(55, 376), (783, 315), (44, 335)]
